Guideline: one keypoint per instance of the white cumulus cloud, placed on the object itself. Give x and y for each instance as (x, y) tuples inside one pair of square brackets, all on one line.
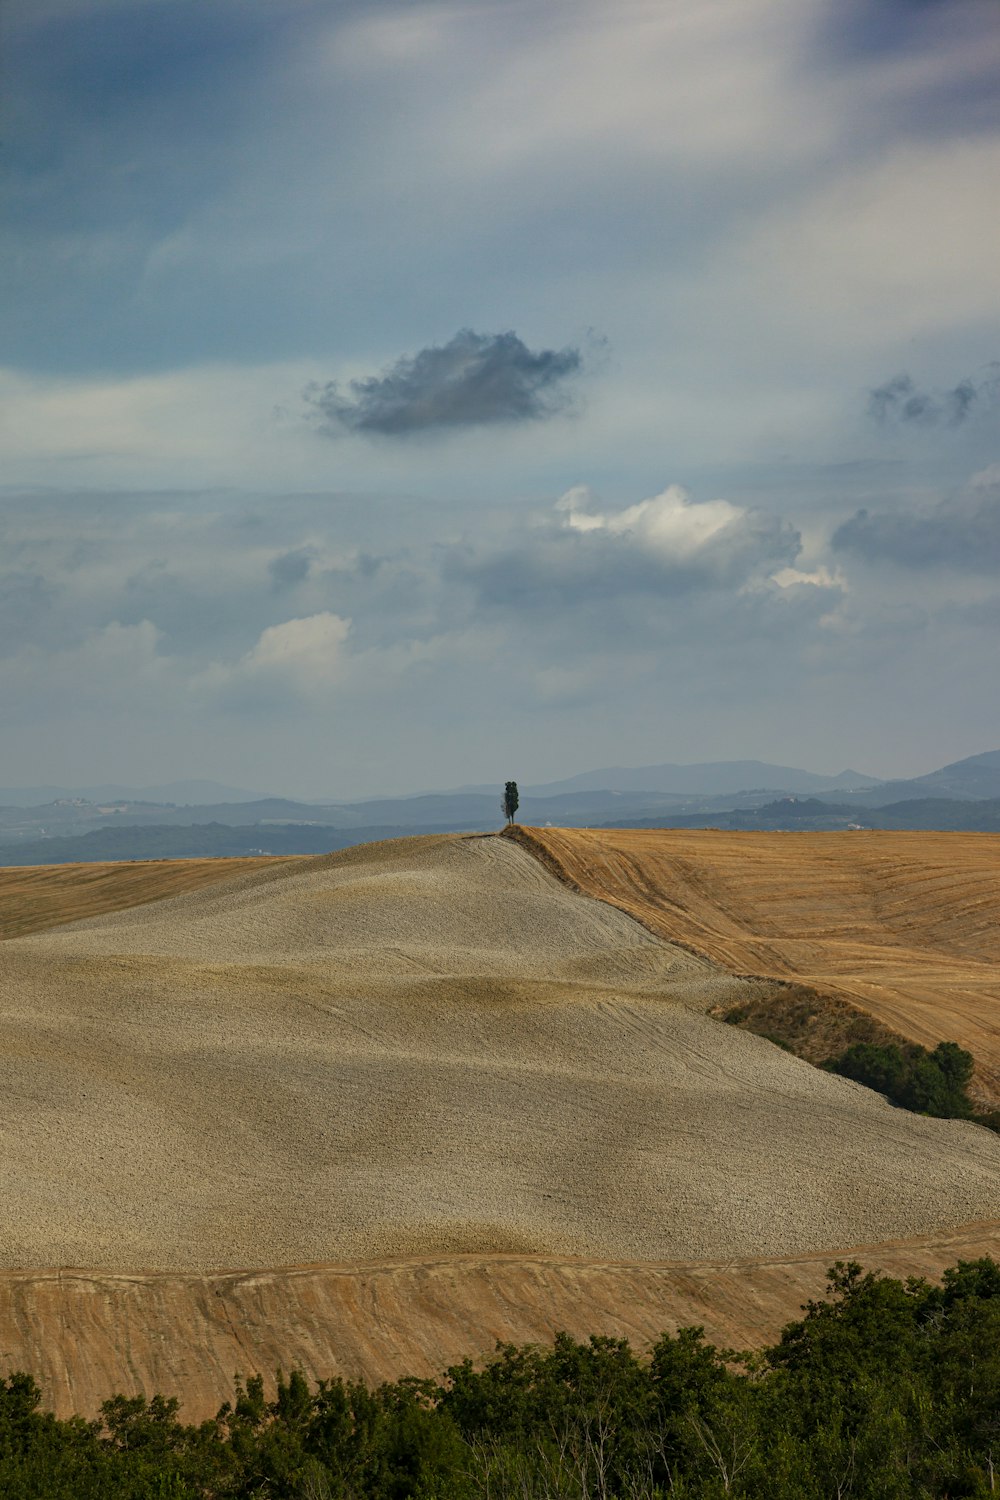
[(670, 523), (308, 652)]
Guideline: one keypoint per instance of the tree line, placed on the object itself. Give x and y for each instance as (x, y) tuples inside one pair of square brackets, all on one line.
[(883, 1389)]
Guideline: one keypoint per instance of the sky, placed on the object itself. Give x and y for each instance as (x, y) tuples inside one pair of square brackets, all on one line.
[(406, 395)]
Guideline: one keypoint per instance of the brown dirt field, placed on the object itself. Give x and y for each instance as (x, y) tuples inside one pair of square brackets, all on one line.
[(904, 926), (35, 898), (86, 1335)]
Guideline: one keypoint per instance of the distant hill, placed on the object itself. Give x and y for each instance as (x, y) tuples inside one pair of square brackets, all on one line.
[(236, 814), (974, 779), (711, 778), (939, 812), (122, 841), (196, 792), (809, 814), (76, 818), (203, 840), (729, 794), (977, 778), (72, 817)]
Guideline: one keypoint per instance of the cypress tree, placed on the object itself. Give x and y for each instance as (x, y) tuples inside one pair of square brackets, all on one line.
[(510, 800)]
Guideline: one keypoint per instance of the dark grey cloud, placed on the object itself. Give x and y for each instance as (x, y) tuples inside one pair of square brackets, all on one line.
[(473, 380), (957, 533), (900, 400)]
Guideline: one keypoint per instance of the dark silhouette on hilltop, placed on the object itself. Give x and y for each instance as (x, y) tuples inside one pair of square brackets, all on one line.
[(510, 800)]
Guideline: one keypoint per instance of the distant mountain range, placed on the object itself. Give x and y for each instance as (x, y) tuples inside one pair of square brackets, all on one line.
[(112, 822), (972, 779), (809, 814), (712, 778), (709, 778), (193, 792)]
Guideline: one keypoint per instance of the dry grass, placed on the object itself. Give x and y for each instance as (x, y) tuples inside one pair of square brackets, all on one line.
[(813, 1025), (86, 1335), (34, 898), (904, 926)]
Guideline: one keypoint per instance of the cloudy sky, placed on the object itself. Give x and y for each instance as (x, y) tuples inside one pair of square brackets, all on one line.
[(398, 395)]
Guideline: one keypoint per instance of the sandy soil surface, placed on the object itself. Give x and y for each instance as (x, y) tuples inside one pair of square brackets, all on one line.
[(427, 1046), (905, 926)]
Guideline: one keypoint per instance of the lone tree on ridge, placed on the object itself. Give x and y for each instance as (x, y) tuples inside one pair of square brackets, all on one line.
[(510, 800)]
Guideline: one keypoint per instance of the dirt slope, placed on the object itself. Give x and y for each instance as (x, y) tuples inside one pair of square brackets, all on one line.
[(86, 1335), (904, 925)]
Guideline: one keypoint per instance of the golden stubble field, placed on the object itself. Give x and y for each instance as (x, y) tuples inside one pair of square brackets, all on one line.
[(34, 898), (370, 1112), (905, 926)]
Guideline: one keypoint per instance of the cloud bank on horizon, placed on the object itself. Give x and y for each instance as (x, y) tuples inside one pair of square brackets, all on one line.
[(751, 538)]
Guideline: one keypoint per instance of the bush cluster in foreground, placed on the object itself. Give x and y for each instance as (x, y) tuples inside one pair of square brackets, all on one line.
[(884, 1389)]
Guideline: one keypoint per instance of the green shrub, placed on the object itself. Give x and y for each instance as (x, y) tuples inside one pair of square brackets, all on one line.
[(929, 1083)]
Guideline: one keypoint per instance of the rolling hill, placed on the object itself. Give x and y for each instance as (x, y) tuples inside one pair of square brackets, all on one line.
[(547, 1058), (371, 1111)]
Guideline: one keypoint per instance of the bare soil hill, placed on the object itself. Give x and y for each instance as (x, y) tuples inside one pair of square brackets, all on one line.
[(430, 1054), (423, 1046), (905, 926)]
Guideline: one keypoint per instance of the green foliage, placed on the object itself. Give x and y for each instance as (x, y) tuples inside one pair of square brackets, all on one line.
[(511, 801), (882, 1390), (930, 1083)]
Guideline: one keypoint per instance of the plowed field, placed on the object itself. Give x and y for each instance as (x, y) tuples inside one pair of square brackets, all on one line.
[(905, 926)]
